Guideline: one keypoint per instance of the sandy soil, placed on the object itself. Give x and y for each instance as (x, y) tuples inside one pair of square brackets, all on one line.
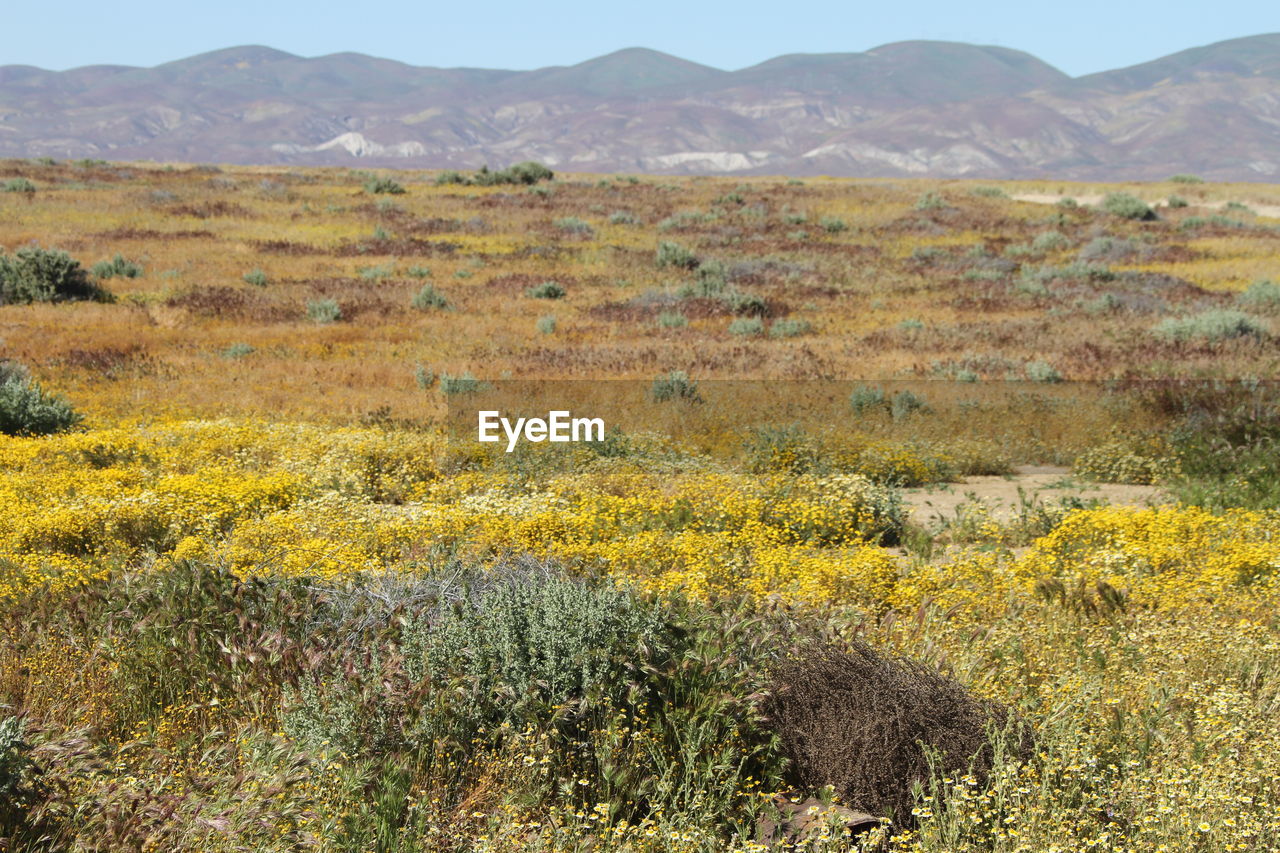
[(930, 505)]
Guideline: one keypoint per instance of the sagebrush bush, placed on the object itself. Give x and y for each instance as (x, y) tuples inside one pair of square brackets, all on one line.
[(674, 255), (25, 407), (747, 327), (675, 385), (19, 185), (256, 277), (788, 327), (1261, 295), (931, 201), (1127, 206), (1211, 326), (462, 384), (33, 274), (547, 324), (575, 226), (381, 184), (428, 298), (547, 290), (118, 266), (324, 311)]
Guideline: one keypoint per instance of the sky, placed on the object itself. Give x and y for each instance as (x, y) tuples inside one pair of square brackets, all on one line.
[(1078, 37)]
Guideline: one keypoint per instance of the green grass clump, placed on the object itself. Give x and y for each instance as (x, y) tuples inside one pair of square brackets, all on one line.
[(747, 327)]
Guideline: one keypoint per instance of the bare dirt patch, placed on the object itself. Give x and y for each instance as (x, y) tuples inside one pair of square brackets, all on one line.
[(1005, 495)]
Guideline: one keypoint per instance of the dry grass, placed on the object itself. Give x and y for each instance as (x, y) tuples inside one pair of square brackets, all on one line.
[(898, 292)]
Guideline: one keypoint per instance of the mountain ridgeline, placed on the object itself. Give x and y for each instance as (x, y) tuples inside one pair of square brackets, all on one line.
[(908, 109)]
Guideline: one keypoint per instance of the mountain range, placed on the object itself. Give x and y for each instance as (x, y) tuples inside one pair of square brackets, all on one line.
[(917, 108)]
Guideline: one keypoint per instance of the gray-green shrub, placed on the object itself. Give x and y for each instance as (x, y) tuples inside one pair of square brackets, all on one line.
[(25, 407), (1211, 326), (32, 274), (324, 311), (429, 299)]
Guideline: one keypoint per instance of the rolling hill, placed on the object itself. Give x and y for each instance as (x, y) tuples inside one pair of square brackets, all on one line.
[(910, 108)]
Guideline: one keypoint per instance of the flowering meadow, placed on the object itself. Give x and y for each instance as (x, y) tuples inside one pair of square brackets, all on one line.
[(255, 596)]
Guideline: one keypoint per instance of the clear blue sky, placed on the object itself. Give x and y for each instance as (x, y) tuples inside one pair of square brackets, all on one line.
[(1078, 37)]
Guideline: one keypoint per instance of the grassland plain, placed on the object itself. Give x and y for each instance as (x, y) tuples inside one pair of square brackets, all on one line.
[(260, 599)]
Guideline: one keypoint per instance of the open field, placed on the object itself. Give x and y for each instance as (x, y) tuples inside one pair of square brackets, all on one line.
[(919, 503)]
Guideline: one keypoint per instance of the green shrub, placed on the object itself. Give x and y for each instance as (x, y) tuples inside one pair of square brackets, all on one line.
[(1137, 460), (117, 267), (1042, 371), (865, 398), (1186, 179), (1127, 206), (622, 217), (382, 185), (547, 290), (256, 277), (931, 201), (324, 311), (575, 226), (905, 403), (747, 327), (376, 273), (33, 274), (19, 185), (789, 328), (463, 384), (1050, 241), (547, 324), (1262, 295), (672, 320), (1177, 201), (526, 173), (1211, 326), (675, 385), (237, 351), (429, 299), (832, 224), (418, 272), (19, 777), (989, 192), (1068, 203), (26, 409), (744, 303), (675, 255)]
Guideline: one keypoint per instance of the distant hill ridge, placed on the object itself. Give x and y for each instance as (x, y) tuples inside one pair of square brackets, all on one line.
[(910, 108)]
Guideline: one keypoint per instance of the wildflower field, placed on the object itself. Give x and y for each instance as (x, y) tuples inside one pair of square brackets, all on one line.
[(259, 593)]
